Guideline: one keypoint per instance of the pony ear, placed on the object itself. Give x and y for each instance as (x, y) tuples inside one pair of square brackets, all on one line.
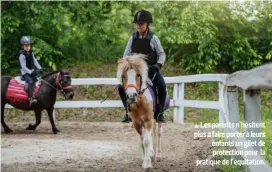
[(66, 71), (120, 61), (69, 71)]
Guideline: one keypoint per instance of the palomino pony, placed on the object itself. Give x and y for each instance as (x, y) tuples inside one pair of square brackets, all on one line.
[(12, 92), (133, 75)]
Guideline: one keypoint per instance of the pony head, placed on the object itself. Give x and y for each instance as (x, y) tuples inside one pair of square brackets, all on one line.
[(132, 74)]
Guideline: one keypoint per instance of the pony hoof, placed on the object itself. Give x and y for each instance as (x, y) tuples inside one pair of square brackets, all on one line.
[(148, 169), (153, 159), (147, 165), (157, 158), (8, 131), (30, 127), (56, 131)]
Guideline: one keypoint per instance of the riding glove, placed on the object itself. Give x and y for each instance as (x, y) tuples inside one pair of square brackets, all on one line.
[(155, 68)]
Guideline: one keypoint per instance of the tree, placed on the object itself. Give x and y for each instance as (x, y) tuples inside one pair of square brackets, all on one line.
[(202, 37)]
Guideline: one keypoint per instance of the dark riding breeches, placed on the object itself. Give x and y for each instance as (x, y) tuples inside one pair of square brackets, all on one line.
[(31, 84), (159, 83)]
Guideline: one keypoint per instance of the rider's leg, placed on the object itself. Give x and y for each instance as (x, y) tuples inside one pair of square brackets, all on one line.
[(31, 86), (159, 83), (122, 94)]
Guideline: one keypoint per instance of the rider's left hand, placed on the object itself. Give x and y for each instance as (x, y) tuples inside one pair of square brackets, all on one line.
[(156, 67)]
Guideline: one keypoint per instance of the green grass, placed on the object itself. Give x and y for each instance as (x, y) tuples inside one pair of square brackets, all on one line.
[(193, 115), (267, 118)]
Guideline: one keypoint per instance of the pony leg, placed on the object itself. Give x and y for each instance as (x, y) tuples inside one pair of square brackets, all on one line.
[(142, 145), (6, 128), (154, 136), (139, 130), (38, 115), (50, 115), (150, 148), (158, 140), (147, 143)]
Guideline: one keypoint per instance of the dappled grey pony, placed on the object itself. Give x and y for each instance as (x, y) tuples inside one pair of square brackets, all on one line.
[(13, 92)]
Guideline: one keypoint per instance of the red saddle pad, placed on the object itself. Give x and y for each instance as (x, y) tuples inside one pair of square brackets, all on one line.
[(16, 91)]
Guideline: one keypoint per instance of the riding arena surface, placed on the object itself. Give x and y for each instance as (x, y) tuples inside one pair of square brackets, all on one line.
[(99, 146)]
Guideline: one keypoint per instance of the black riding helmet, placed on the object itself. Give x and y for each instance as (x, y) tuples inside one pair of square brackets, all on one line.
[(25, 40), (142, 16)]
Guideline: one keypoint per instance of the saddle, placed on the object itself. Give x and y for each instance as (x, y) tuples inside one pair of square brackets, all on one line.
[(20, 79), (153, 91), (17, 90)]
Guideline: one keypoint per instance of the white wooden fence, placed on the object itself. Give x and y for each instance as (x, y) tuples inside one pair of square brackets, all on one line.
[(178, 101), (252, 82)]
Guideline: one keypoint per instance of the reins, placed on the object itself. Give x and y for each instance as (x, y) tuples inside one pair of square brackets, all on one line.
[(141, 92), (58, 84)]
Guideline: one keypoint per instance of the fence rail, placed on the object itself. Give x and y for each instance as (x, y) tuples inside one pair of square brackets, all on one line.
[(168, 80), (176, 102)]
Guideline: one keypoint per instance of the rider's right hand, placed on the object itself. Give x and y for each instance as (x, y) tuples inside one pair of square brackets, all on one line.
[(33, 73)]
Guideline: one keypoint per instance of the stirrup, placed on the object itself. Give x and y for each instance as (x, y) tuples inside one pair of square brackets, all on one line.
[(160, 118), (32, 101)]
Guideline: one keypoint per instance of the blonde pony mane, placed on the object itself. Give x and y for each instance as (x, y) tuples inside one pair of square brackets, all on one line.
[(137, 62)]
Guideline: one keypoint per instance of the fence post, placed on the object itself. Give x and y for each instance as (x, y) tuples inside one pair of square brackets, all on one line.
[(233, 106), (233, 113), (221, 102), (181, 107), (175, 97), (252, 105)]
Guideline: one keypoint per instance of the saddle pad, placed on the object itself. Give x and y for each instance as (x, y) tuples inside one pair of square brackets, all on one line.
[(155, 104), (16, 92)]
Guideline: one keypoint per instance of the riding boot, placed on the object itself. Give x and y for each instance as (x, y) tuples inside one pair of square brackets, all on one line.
[(159, 83), (160, 117), (122, 94), (31, 98)]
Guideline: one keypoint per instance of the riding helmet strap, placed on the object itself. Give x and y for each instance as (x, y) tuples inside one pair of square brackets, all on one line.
[(146, 29)]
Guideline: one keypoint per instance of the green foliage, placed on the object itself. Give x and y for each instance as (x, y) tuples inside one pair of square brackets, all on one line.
[(43, 49), (216, 36), (202, 37), (29, 18)]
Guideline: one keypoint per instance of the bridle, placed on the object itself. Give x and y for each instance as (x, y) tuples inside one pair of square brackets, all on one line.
[(138, 89), (59, 83)]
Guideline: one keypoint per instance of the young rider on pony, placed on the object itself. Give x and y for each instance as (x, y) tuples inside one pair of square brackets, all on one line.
[(146, 42), (27, 62)]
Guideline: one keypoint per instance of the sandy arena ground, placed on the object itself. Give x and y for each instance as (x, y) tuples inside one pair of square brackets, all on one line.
[(99, 146)]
